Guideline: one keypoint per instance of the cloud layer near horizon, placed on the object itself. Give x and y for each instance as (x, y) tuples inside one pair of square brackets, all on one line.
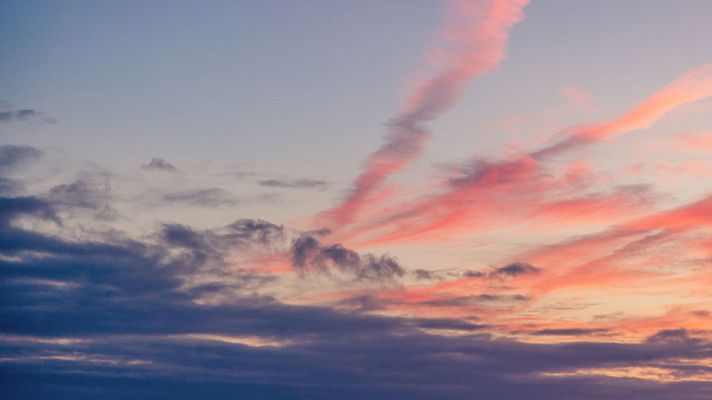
[(130, 316), (540, 274)]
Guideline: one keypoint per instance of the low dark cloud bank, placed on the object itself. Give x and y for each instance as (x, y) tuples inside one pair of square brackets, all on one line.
[(125, 318)]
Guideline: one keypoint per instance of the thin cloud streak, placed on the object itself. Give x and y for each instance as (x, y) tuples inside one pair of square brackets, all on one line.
[(473, 42), (523, 180)]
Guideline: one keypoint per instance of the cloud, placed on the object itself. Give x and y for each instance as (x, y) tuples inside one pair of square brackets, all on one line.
[(15, 157), (12, 159), (9, 186), (474, 274), (576, 97), (515, 269), (448, 324), (692, 86), (567, 332), (82, 193), (472, 42), (183, 236), (187, 312), (294, 184), (12, 207), (510, 270), (240, 234), (24, 114), (364, 303), (424, 274), (671, 336), (629, 253), (159, 164), (524, 181), (257, 231), (120, 317), (309, 255), (211, 197), (467, 301), (699, 141)]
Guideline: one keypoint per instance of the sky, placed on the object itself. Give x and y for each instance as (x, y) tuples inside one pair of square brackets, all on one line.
[(457, 199)]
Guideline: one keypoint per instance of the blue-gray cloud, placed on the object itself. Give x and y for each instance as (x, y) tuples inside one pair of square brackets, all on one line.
[(14, 157), (515, 269), (115, 317), (159, 164), (211, 197), (309, 255), (294, 183), (23, 114)]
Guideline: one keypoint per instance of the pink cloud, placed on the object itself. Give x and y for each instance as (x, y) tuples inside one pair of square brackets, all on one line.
[(472, 42), (488, 192), (690, 87), (576, 97)]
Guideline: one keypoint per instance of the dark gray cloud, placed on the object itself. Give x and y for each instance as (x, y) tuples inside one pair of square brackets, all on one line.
[(89, 192), (203, 247), (465, 301), (294, 183), (14, 157), (447, 324), (422, 274), (508, 271), (257, 231), (304, 251), (12, 207), (473, 274), (567, 332), (159, 164), (362, 303), (515, 269), (309, 255), (183, 236), (672, 336), (81, 193), (128, 312)]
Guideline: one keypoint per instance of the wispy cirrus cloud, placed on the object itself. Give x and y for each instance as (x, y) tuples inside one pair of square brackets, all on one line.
[(293, 183), (525, 182), (472, 42), (692, 86)]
